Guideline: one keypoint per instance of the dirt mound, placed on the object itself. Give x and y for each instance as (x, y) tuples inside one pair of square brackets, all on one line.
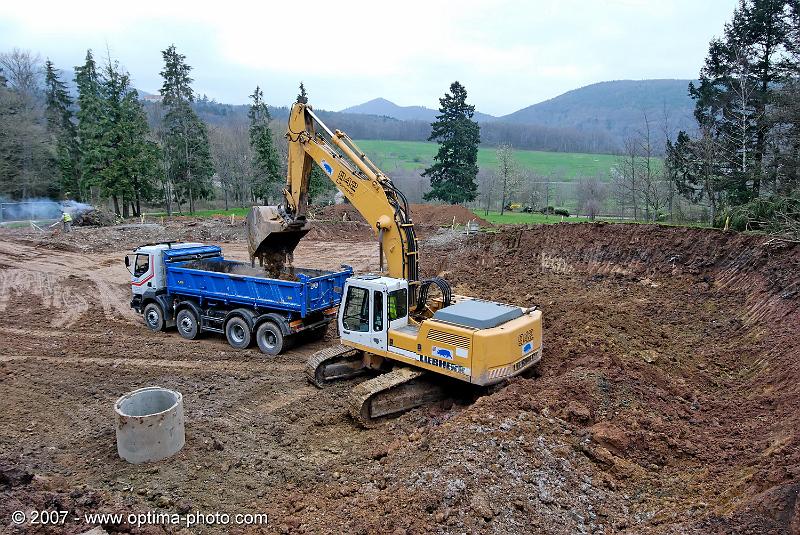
[(421, 214), (665, 350), (97, 218)]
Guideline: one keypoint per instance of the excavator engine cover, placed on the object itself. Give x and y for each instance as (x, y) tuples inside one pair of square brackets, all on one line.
[(271, 236)]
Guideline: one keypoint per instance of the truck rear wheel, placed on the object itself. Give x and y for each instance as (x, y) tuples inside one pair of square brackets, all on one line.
[(237, 331), (269, 338), (153, 317), (188, 324)]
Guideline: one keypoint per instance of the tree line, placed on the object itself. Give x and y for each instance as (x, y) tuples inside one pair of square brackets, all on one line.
[(740, 167), (105, 143), (744, 158)]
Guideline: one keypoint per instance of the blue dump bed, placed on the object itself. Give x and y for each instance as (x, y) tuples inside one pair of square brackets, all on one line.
[(202, 272)]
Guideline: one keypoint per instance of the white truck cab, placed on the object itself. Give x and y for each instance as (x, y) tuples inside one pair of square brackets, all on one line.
[(146, 265), (371, 305), (149, 282)]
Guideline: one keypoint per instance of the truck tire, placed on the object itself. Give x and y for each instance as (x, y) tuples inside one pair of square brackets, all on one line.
[(237, 331), (188, 324), (269, 338), (153, 317)]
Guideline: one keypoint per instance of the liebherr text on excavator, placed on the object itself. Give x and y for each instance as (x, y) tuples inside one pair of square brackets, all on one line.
[(387, 322)]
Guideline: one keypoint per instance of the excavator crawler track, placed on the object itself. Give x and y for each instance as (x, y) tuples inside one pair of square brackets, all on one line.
[(391, 393), (334, 363)]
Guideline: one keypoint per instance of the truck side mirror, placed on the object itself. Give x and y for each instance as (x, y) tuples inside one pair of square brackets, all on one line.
[(127, 261)]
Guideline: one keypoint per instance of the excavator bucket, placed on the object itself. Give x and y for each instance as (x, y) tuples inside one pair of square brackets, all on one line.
[(271, 237)]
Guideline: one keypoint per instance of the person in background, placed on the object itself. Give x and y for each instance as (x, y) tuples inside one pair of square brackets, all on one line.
[(66, 221)]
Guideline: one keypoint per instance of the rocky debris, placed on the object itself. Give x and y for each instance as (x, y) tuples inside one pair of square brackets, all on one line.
[(610, 436), (12, 476), (97, 217)]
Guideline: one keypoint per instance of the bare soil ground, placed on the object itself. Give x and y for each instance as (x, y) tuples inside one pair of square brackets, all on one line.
[(667, 400)]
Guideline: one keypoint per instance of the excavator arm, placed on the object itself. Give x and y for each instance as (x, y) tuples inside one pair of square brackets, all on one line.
[(383, 206)]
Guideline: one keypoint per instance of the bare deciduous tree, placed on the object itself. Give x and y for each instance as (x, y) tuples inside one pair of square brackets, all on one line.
[(24, 71), (487, 184), (625, 179), (591, 193), (509, 176)]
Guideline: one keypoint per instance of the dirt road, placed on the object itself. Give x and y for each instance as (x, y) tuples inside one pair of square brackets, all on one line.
[(667, 401)]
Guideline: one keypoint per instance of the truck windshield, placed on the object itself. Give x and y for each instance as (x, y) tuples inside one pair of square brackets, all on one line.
[(398, 304), (142, 265)]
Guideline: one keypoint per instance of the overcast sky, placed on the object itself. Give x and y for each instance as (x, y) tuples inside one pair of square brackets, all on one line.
[(508, 54)]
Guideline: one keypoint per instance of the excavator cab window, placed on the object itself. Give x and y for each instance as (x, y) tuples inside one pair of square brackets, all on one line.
[(398, 304), (377, 311), (356, 310)]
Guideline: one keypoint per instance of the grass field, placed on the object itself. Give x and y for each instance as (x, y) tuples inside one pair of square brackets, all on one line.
[(521, 218), (561, 166)]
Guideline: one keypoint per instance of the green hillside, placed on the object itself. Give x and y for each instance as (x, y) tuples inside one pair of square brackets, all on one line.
[(561, 166)]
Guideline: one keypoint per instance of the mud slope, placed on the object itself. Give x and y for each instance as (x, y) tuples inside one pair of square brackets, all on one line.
[(675, 349)]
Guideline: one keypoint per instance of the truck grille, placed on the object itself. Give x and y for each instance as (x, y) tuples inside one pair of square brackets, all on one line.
[(456, 340)]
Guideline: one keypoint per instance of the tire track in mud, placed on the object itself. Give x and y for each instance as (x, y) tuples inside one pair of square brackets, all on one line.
[(49, 276), (204, 365), (300, 393), (69, 305)]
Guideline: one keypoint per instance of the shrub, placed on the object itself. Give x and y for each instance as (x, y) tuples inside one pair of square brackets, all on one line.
[(775, 214)]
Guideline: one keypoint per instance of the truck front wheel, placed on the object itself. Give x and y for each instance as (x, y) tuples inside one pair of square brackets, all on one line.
[(188, 324), (153, 317), (238, 333), (269, 338)]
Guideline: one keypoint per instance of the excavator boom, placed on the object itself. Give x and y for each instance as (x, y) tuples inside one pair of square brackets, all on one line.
[(276, 230)]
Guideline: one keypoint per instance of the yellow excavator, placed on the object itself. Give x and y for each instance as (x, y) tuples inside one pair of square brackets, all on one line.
[(390, 322)]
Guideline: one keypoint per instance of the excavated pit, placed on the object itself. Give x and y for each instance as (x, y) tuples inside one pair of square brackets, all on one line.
[(666, 400)]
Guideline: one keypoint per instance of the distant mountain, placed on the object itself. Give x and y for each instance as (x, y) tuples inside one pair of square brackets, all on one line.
[(616, 108), (387, 108)]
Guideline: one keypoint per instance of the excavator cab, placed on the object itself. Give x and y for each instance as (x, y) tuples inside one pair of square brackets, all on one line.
[(371, 306)]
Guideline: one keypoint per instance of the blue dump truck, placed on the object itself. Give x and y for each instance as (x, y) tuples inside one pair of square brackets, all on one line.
[(191, 286)]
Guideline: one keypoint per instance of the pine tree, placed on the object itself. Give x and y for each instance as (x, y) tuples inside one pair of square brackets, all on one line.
[(61, 126), (266, 164), (186, 149), (319, 184), (737, 86), (302, 97), (455, 165), (132, 166), (91, 117)]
